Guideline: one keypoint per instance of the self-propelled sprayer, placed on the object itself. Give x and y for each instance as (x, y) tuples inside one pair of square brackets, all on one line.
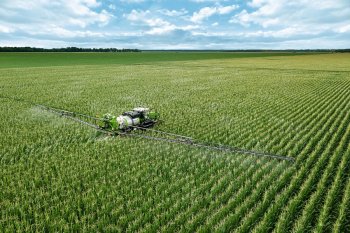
[(137, 118)]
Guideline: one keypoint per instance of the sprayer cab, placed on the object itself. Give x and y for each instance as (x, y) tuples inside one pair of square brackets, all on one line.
[(137, 118)]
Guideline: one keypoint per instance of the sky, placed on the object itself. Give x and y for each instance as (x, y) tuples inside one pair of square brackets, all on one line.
[(176, 24)]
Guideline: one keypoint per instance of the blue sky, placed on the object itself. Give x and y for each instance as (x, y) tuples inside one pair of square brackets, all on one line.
[(165, 24)]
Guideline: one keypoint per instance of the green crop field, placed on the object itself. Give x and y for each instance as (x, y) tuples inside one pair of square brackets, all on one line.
[(58, 175)]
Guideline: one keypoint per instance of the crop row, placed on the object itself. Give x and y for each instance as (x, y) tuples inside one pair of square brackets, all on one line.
[(59, 176)]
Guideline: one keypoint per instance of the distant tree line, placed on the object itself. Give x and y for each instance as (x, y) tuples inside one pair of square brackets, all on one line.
[(115, 50), (68, 49)]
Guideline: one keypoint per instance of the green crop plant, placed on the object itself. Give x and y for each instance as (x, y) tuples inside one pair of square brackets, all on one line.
[(57, 175)]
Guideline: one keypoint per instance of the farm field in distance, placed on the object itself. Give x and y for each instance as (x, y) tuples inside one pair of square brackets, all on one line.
[(57, 175)]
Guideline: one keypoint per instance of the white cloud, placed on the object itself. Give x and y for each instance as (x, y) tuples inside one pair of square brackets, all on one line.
[(294, 21), (289, 32), (146, 18), (257, 3), (242, 18), (206, 12), (157, 22), (56, 32), (161, 30), (173, 13), (157, 25), (64, 33), (5, 29), (226, 9), (79, 13), (135, 15), (284, 13), (132, 1), (112, 6), (202, 14), (341, 29), (89, 23), (169, 29), (216, 1)]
